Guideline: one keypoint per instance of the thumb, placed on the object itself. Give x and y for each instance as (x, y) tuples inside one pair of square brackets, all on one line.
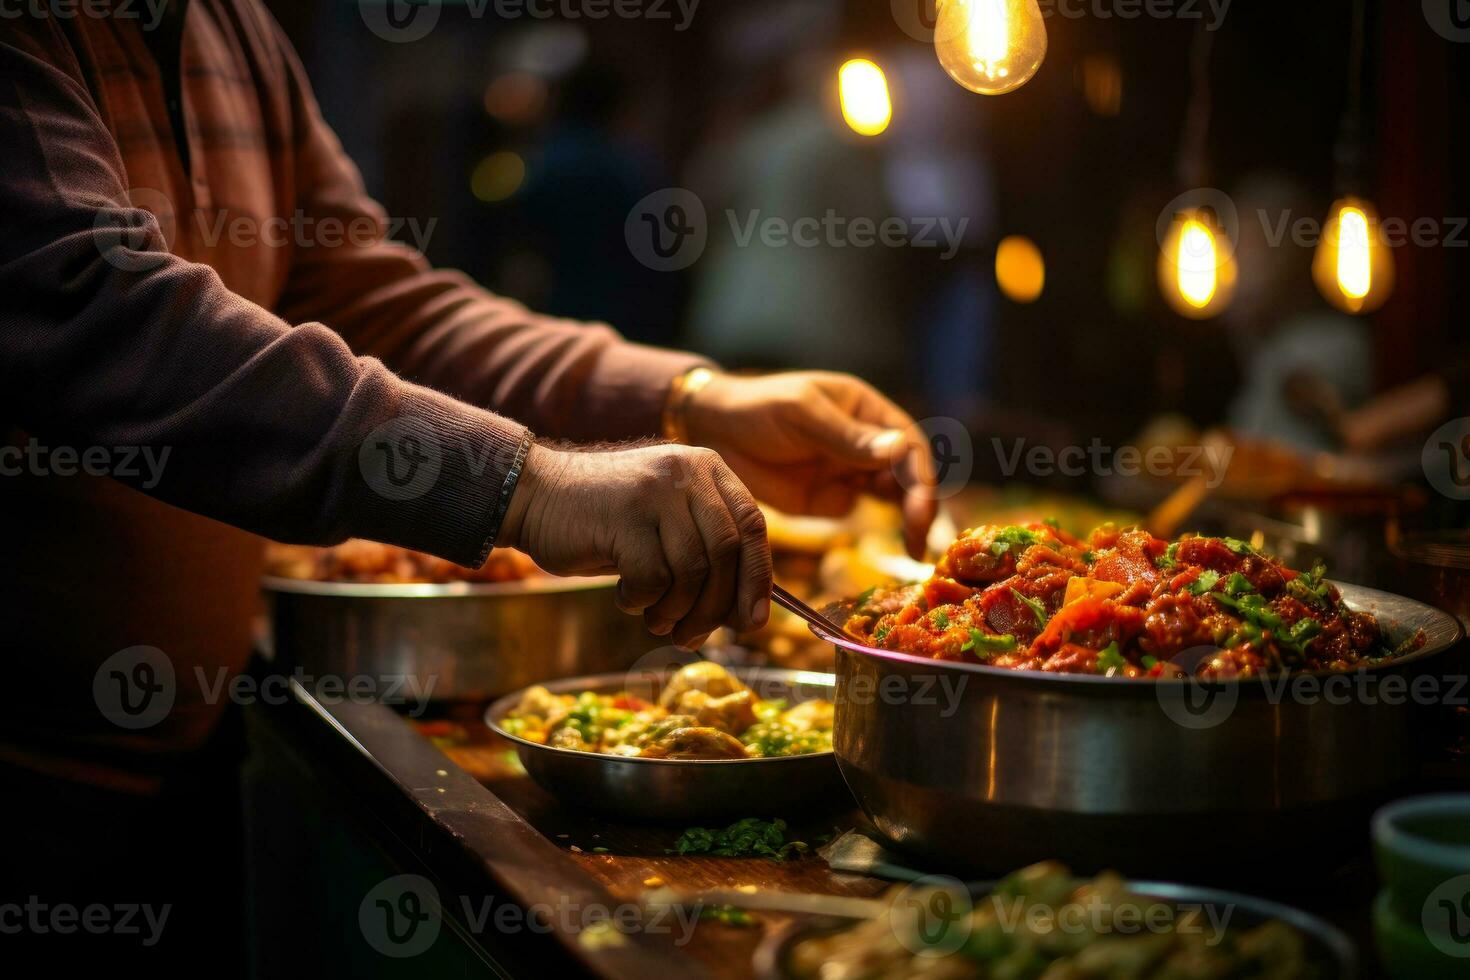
[(846, 439)]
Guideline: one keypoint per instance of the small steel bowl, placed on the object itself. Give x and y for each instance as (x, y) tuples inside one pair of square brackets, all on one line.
[(683, 789), (1331, 952)]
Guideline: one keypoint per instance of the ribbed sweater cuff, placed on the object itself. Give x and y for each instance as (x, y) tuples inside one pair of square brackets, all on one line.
[(436, 478)]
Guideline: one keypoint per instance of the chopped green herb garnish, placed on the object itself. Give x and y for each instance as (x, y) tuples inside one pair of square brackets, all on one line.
[(1037, 609), (751, 837), (1169, 558), (1238, 584), (1149, 663), (1053, 523), (1111, 659), (1304, 632), (1013, 537), (940, 618), (1238, 546), (985, 646), (881, 634), (1089, 557), (1206, 582)]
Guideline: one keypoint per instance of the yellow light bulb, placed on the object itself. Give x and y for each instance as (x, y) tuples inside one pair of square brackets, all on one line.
[(1353, 268), (1199, 276), (1197, 267), (1020, 269), (866, 104), (990, 46), (1354, 264)]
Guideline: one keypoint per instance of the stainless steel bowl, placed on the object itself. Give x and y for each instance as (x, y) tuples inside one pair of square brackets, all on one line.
[(683, 790), (986, 769), (466, 641), (1327, 948)]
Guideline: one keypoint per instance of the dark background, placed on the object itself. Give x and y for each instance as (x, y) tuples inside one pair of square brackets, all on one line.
[(1086, 187)]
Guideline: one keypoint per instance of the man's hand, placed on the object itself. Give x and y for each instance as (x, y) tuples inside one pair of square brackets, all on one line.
[(683, 533), (809, 442)]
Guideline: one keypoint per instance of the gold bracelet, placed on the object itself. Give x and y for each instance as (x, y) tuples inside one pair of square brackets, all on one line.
[(676, 409)]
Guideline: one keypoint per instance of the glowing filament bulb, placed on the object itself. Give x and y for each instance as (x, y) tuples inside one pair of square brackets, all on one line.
[(990, 46), (1198, 275), (1197, 266), (1354, 264), (866, 104), (1353, 267)]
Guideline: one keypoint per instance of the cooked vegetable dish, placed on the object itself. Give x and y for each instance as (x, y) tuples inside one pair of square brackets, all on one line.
[(1042, 924), (1122, 603), (385, 564), (703, 712)]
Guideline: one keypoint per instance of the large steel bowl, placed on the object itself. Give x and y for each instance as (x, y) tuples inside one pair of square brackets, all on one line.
[(986, 769), (460, 640), (679, 789)]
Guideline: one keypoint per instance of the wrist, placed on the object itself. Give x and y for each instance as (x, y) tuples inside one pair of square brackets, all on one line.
[(686, 392), (537, 473)]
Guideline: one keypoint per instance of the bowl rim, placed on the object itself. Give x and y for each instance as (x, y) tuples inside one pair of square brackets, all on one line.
[(1391, 836), (536, 585), (618, 681), (1450, 625)]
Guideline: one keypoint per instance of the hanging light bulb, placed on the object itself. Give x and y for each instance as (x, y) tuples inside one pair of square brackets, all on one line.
[(866, 104), (1020, 269), (1353, 267), (990, 46), (1197, 269)]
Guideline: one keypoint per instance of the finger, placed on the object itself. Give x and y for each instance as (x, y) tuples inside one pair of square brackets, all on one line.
[(843, 437), (920, 499), (684, 553), (753, 598), (721, 547), (644, 574)]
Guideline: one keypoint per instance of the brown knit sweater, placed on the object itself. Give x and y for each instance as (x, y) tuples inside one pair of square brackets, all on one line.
[(225, 296)]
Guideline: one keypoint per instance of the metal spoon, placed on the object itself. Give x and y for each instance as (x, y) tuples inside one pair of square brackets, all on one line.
[(795, 606)]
